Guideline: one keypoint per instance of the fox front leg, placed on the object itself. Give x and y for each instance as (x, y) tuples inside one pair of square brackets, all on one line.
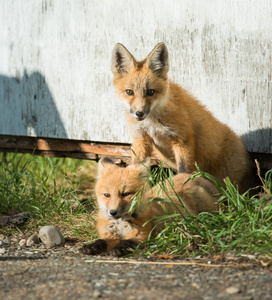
[(184, 157), (99, 246), (136, 236), (125, 247), (142, 148), (95, 248)]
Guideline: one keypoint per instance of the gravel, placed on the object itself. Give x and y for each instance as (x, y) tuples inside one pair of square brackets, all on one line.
[(63, 273)]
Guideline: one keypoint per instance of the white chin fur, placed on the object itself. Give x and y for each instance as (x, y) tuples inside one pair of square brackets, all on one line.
[(103, 207)]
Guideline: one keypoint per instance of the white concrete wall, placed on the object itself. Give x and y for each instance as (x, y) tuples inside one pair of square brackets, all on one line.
[(55, 78)]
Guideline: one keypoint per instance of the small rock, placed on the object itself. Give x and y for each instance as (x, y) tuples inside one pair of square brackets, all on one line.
[(97, 294), (6, 241), (51, 236), (137, 266), (22, 243), (14, 240), (232, 290), (33, 239), (4, 220), (28, 252), (17, 219), (2, 251)]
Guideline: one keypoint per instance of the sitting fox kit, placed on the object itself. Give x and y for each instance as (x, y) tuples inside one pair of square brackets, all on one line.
[(163, 117), (119, 229)]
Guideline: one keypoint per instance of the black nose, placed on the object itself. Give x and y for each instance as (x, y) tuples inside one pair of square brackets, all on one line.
[(139, 114), (113, 212)]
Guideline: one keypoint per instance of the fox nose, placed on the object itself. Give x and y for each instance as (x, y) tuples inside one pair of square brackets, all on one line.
[(113, 212), (139, 114)]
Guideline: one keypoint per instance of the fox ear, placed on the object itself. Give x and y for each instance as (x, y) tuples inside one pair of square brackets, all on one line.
[(158, 61), (103, 163), (143, 167), (146, 163), (122, 61)]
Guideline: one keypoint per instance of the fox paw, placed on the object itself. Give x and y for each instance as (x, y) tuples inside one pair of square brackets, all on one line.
[(125, 247), (95, 248)]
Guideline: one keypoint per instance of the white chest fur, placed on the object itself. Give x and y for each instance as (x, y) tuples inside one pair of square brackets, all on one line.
[(155, 128)]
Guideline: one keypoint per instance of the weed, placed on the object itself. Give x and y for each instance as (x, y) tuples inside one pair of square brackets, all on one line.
[(242, 224), (49, 188), (53, 190)]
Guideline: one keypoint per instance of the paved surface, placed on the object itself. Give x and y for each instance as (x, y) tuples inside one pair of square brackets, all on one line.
[(63, 273)]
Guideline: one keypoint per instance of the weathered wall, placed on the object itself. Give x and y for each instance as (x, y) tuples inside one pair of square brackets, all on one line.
[(55, 78)]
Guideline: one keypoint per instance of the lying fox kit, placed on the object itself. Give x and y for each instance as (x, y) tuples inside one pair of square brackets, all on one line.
[(119, 229), (163, 117)]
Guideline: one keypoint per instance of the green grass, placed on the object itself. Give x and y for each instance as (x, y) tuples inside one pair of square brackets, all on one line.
[(59, 191), (243, 224), (53, 190)]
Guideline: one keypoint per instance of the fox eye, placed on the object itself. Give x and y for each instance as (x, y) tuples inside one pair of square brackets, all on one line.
[(150, 92), (125, 194), (130, 92), (106, 195)]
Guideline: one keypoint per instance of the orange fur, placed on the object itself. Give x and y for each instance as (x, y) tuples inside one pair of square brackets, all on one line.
[(123, 230), (173, 123)]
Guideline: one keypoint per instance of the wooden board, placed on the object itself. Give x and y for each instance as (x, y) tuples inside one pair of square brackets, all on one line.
[(55, 77), (120, 153), (65, 148)]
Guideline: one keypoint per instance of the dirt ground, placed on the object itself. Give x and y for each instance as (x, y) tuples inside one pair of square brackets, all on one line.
[(64, 273)]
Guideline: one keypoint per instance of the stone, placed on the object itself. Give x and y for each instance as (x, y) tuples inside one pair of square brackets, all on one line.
[(2, 251), (4, 220), (14, 240), (232, 290), (22, 243), (32, 240), (19, 219), (51, 236), (6, 241), (16, 219)]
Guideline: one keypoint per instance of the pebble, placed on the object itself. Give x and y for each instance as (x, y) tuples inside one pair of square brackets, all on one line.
[(51, 236), (6, 241), (22, 243), (232, 290), (2, 251), (97, 294), (29, 252), (33, 239), (137, 267)]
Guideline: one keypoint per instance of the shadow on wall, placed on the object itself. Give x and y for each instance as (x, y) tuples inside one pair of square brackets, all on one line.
[(258, 140), (259, 144), (27, 107)]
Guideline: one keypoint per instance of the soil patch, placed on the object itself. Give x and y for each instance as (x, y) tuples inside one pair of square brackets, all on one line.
[(64, 273)]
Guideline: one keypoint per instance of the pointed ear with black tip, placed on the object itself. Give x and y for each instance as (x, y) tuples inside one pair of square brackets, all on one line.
[(122, 61), (103, 163), (158, 60)]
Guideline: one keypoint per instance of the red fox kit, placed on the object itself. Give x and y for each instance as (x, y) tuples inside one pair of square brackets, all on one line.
[(120, 230), (164, 117)]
